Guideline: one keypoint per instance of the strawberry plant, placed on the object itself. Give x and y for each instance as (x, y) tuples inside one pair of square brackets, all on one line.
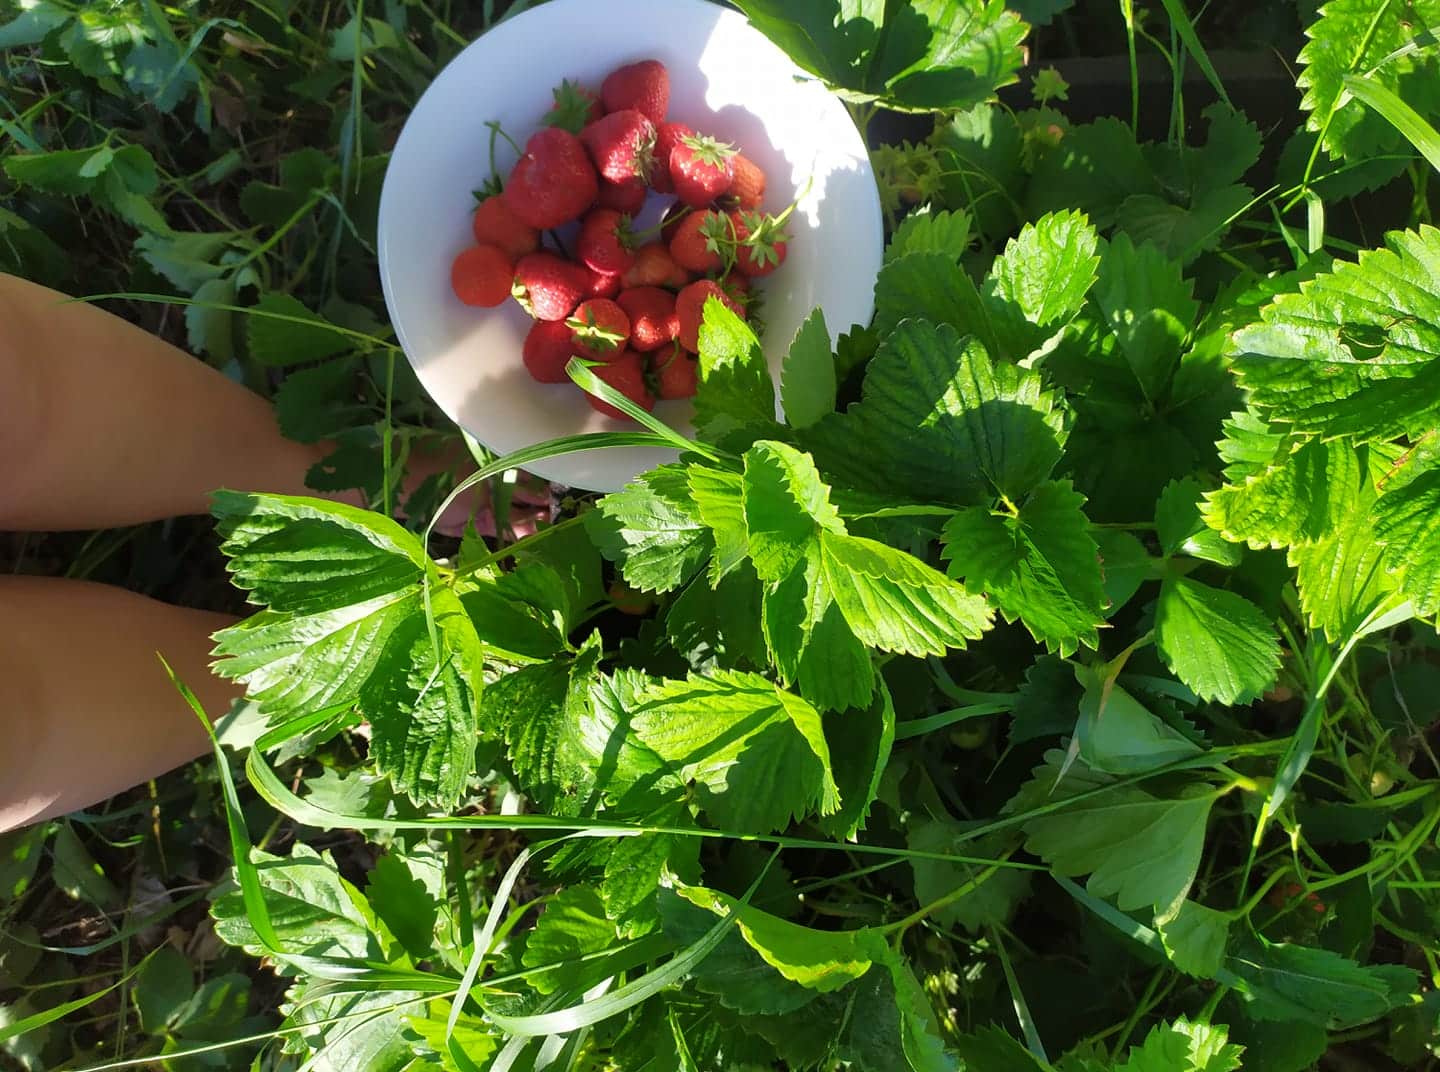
[(1042, 678)]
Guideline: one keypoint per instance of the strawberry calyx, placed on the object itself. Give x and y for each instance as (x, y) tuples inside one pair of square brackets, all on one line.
[(645, 156), (521, 293), (718, 230), (764, 234), (625, 233), (595, 335), (708, 150), (574, 105)]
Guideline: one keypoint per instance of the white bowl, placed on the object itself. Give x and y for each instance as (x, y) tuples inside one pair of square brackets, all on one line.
[(726, 79)]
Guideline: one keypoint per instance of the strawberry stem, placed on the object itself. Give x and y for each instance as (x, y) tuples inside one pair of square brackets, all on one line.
[(496, 128)]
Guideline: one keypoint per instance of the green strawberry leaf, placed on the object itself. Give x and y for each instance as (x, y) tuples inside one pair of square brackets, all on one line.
[(733, 971), (1298, 495), (573, 925), (402, 899), (291, 334), (928, 231), (1407, 525), (718, 495), (1094, 169), (1183, 531), (346, 555), (991, 1047), (1148, 306), (735, 400), (811, 643), (1184, 1047), (1184, 232), (1117, 734), (422, 701), (807, 382), (1195, 938), (939, 422), (1141, 849), (1038, 564), (346, 623), (786, 508), (1368, 37), (653, 529), (937, 55), (1285, 982), (312, 909), (894, 602), (1218, 643), (717, 626), (1040, 281), (1341, 576), (822, 961), (860, 741), (564, 725), (993, 898), (755, 754), (1354, 353)]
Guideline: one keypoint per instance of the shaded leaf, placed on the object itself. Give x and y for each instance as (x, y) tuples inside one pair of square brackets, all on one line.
[(1295, 982), (573, 924), (807, 382), (928, 231), (931, 55), (1182, 529), (939, 421), (1140, 849), (1195, 938)]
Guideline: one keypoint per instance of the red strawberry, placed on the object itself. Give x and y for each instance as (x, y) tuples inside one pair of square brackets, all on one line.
[(627, 197), (643, 86), (575, 106), (482, 276), (548, 286), (496, 225), (548, 348), (667, 136), (601, 285), (652, 317), (654, 267), (702, 169), (677, 375), (762, 243), (622, 145), (627, 375), (690, 310), (748, 186), (701, 240), (553, 183), (601, 329), (605, 243)]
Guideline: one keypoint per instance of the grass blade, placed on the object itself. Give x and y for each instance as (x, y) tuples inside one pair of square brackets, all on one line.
[(585, 378), (1398, 114), (1186, 29)]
